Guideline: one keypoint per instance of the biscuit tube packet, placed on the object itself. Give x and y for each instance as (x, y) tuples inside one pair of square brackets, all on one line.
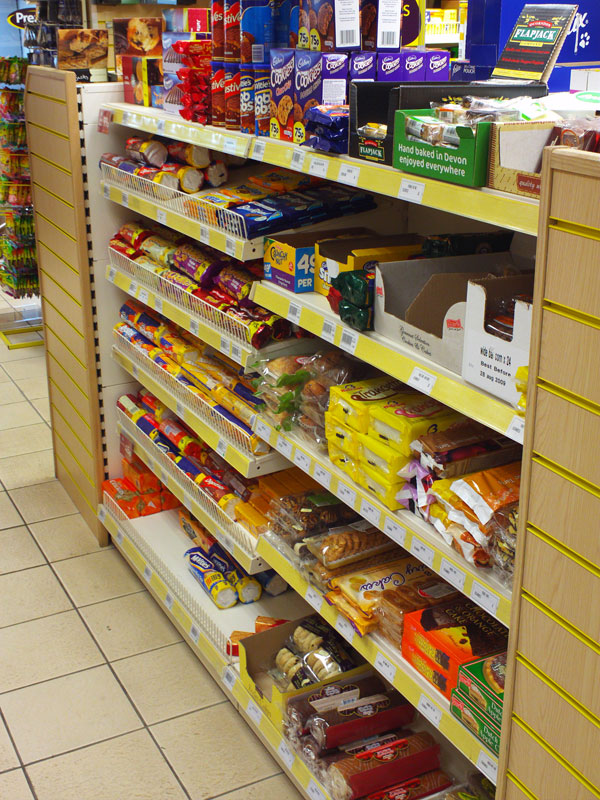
[(220, 591)]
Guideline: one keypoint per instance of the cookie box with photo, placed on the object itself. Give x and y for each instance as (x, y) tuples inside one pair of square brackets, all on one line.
[(308, 91), (140, 75), (304, 10), (482, 681), (321, 21), (368, 24), (257, 27), (473, 719), (282, 94), (137, 37), (363, 66)]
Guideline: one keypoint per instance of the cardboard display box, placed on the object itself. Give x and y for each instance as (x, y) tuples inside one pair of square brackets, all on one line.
[(490, 361), (515, 160), (141, 77), (472, 717), (482, 681)]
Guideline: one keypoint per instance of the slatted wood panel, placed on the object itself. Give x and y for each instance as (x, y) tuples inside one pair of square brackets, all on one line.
[(60, 222)]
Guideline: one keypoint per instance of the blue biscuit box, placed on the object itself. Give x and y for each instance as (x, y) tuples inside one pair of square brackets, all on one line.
[(290, 261), (257, 30)]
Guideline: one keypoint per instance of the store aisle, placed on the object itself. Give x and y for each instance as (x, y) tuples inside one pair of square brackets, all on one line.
[(100, 699)]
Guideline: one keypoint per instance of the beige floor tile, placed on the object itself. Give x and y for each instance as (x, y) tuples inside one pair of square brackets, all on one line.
[(27, 470), (20, 354), (33, 388), (14, 786), (222, 733), (128, 768), (64, 537), (8, 757), (28, 439), (26, 368), (73, 711), (129, 625), (10, 394), (45, 648), (43, 406), (167, 682), (43, 501), (97, 577), (30, 594), (9, 516), (16, 415), (276, 788), (3, 376), (18, 550)]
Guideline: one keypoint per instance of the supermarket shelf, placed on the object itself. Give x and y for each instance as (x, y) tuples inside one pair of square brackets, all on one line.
[(151, 567), (212, 325), (227, 439), (486, 205), (404, 527), (389, 663), (312, 312), (231, 535)]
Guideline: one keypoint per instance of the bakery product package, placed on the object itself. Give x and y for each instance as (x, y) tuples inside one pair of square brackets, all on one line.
[(282, 94), (482, 681), (137, 36), (308, 91), (478, 723)]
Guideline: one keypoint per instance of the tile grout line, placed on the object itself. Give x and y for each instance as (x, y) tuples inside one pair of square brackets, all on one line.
[(14, 744)]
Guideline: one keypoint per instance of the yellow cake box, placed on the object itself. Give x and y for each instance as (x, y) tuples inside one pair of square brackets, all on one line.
[(400, 420), (340, 435), (351, 403)]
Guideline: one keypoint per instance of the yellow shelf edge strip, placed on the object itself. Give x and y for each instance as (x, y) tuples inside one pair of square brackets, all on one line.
[(568, 396), (563, 225), (571, 313), (563, 550), (556, 756), (569, 627), (520, 785), (572, 477)]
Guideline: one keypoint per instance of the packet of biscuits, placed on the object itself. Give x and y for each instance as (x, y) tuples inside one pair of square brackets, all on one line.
[(349, 543)]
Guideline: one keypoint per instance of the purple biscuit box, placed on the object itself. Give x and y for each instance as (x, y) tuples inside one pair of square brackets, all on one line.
[(437, 65), (308, 88), (335, 78), (414, 65), (363, 66), (282, 94), (390, 67)]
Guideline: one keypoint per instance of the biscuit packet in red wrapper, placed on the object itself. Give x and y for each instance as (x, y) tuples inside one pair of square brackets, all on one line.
[(134, 233), (125, 249)]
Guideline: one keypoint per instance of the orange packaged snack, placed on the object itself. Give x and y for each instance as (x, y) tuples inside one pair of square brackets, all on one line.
[(149, 504), (168, 500), (488, 491), (124, 495), (143, 479)]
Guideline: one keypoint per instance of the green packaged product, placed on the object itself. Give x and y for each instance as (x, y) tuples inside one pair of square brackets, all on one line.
[(361, 319), (482, 681), (356, 287), (473, 718)]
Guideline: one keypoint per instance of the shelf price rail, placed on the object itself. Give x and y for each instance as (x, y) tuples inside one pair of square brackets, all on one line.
[(226, 674)]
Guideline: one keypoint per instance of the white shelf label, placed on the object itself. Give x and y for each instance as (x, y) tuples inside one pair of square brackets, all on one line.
[(125, 118), (161, 216), (102, 513), (258, 152), (225, 541), (169, 600), (119, 536), (328, 331), (453, 574), (163, 475), (262, 430), (147, 573), (368, 511), (286, 754), (194, 326), (318, 167), (236, 353), (135, 371), (106, 191), (230, 246), (194, 634), (487, 765), (158, 305), (160, 126), (229, 678), (516, 429), (484, 598), (143, 296), (221, 447), (411, 190), (347, 494), (204, 234), (430, 710), (187, 502), (314, 598), (421, 380), (302, 460), (349, 341), (322, 475), (284, 447), (314, 792), (385, 667), (111, 274), (254, 712), (422, 551), (394, 531), (349, 174), (229, 145), (133, 287), (224, 345), (125, 199), (294, 312), (179, 409), (343, 626), (297, 161)]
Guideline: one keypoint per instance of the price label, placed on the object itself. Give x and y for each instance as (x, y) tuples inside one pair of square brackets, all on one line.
[(294, 312), (106, 191), (163, 475), (385, 667), (516, 429), (194, 634), (302, 460), (422, 551), (158, 304), (229, 678), (119, 536), (314, 792), (229, 145), (328, 331), (429, 710), (126, 118), (194, 326), (286, 754), (143, 296), (284, 447), (314, 598), (230, 246), (298, 157), (179, 409), (111, 274), (368, 511), (224, 345), (411, 190), (349, 174), (147, 574), (421, 380), (102, 513), (262, 430), (484, 598), (236, 353), (221, 447), (347, 494), (349, 341), (318, 167), (395, 531), (125, 199), (169, 600), (125, 446), (161, 216), (254, 712), (343, 626), (133, 287), (160, 126), (322, 475), (225, 541), (258, 152), (204, 234), (487, 765), (135, 371), (453, 574), (187, 502)]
